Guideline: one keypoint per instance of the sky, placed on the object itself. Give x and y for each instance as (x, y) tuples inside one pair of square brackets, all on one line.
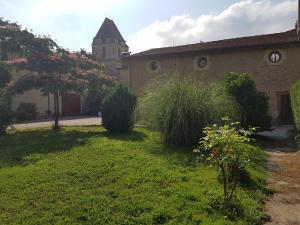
[(148, 24)]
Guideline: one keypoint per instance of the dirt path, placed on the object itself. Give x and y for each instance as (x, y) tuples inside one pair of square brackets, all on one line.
[(72, 121), (284, 177)]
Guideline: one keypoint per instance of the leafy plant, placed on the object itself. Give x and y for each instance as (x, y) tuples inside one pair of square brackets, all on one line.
[(118, 108), (27, 111), (5, 76), (252, 103), (181, 108), (93, 97), (6, 115), (295, 101), (224, 147)]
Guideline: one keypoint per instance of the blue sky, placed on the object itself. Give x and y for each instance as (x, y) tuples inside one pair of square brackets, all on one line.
[(148, 24)]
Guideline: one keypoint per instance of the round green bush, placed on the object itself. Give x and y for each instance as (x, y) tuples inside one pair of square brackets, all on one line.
[(117, 110), (27, 111)]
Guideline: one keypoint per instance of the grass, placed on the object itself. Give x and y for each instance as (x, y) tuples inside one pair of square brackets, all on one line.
[(83, 175)]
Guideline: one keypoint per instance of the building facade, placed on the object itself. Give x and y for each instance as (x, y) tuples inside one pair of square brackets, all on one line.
[(272, 60)]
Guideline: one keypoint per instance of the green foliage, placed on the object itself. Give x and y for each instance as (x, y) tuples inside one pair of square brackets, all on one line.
[(84, 175), (27, 111), (225, 147), (93, 96), (295, 101), (253, 104), (5, 76), (51, 69), (6, 115), (117, 110), (181, 108)]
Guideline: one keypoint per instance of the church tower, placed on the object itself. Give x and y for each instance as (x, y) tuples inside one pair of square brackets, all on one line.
[(108, 45)]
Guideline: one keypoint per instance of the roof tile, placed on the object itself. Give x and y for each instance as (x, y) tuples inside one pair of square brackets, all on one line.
[(234, 43)]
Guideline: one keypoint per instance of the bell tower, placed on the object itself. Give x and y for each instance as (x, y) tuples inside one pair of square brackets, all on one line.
[(108, 45)]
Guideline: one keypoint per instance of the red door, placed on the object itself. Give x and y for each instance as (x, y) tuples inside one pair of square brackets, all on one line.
[(71, 105)]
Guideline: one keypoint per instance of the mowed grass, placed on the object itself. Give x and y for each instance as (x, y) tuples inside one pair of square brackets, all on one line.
[(83, 175)]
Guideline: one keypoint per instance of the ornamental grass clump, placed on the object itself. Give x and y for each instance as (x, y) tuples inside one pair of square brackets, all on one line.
[(226, 148), (180, 109)]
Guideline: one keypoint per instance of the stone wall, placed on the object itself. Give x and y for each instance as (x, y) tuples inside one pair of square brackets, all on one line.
[(272, 78)]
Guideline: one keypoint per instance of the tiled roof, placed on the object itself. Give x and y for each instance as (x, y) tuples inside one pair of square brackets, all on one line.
[(109, 30), (287, 37)]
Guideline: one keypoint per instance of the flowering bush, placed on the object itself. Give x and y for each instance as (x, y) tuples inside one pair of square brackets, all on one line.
[(225, 147)]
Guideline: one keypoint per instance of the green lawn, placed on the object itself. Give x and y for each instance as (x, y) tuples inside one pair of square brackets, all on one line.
[(83, 175)]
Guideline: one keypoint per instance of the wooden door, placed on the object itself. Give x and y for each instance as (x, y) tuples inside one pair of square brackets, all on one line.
[(71, 104), (285, 113)]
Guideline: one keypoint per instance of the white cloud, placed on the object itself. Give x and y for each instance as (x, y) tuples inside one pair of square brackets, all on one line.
[(72, 22), (247, 17)]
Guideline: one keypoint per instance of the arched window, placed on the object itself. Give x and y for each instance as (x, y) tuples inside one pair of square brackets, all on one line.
[(103, 52)]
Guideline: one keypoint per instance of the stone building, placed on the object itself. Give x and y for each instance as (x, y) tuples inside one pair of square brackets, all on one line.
[(108, 46), (273, 60)]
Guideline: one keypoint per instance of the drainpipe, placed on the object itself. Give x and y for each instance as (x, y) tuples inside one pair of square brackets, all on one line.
[(298, 22)]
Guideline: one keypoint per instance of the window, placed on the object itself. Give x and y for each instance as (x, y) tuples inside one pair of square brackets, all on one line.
[(103, 52), (202, 62), (275, 57), (153, 66)]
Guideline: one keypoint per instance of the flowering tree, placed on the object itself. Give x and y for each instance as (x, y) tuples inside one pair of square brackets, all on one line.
[(224, 147), (58, 73), (50, 68)]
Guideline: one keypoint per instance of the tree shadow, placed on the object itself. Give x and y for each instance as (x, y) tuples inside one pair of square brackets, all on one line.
[(132, 136), (15, 147)]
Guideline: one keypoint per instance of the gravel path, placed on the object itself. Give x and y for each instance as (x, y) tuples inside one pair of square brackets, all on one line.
[(71, 121), (284, 178)]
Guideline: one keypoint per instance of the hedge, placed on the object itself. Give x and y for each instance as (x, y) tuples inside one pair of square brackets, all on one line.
[(295, 100)]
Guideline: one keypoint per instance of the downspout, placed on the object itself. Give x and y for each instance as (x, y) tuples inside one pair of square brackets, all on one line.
[(298, 22)]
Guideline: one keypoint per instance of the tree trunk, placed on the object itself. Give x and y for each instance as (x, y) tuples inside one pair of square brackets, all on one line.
[(224, 180), (56, 111)]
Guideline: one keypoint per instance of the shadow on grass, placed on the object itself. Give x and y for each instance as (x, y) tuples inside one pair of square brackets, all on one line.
[(132, 136), (16, 146)]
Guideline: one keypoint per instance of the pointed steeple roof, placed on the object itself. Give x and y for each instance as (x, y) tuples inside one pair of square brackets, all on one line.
[(109, 30)]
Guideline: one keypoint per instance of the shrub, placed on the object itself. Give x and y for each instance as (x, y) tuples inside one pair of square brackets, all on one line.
[(181, 108), (27, 111), (295, 101), (117, 109), (253, 104), (92, 102), (225, 147), (6, 115), (4, 77)]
